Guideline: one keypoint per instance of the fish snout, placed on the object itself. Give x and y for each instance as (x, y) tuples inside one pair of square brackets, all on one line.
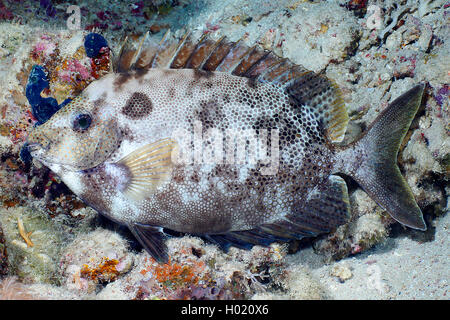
[(37, 143), (33, 147)]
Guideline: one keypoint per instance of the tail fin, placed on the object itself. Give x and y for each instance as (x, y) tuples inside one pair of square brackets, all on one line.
[(372, 160)]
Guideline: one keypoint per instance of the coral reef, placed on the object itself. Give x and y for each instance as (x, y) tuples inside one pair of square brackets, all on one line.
[(198, 271), (374, 50), (100, 256)]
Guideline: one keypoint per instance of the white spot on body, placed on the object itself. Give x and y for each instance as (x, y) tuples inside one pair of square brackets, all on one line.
[(188, 197), (118, 174), (220, 186), (72, 179), (243, 173)]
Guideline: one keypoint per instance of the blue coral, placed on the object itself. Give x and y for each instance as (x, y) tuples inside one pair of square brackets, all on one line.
[(42, 108), (93, 43)]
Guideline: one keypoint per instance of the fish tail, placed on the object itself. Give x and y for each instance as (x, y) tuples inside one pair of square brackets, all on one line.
[(372, 160)]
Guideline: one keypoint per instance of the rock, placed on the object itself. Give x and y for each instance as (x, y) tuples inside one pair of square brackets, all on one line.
[(319, 33), (342, 272), (99, 256)]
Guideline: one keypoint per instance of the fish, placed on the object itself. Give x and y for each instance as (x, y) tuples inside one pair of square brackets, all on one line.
[(224, 141)]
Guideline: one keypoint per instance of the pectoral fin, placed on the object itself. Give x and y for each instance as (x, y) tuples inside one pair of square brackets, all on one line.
[(150, 167)]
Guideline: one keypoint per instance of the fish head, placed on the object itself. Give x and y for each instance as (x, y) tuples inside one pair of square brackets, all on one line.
[(79, 136)]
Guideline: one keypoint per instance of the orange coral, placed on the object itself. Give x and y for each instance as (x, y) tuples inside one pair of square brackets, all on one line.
[(105, 271), (10, 203), (101, 65), (173, 274)]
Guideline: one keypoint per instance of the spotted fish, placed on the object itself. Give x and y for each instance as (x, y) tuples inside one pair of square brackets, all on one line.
[(224, 141)]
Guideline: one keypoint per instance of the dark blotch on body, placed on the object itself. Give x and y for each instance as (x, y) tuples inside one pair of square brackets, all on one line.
[(100, 101), (198, 74), (210, 114), (138, 106), (121, 79)]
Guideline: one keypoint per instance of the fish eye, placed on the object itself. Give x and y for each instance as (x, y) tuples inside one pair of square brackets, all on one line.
[(82, 122)]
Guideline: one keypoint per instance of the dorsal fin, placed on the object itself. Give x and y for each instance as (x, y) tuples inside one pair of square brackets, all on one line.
[(323, 96), (201, 53), (140, 53), (306, 88)]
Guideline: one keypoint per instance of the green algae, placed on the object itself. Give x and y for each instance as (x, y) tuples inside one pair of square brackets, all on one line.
[(37, 263)]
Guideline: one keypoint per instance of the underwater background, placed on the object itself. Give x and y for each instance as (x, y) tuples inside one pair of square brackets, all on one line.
[(53, 246)]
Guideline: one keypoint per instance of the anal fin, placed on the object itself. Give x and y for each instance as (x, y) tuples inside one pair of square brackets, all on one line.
[(326, 208)]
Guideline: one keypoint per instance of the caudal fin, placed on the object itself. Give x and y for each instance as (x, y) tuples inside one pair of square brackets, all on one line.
[(372, 160)]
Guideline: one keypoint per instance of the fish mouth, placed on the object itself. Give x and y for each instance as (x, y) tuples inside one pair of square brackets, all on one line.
[(41, 153), (38, 150), (34, 148)]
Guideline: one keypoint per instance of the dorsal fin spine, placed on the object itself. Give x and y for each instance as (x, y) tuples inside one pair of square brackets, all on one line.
[(223, 43), (217, 43), (200, 42), (241, 59), (238, 46), (262, 76), (180, 45), (266, 62), (160, 48), (138, 51), (255, 64)]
